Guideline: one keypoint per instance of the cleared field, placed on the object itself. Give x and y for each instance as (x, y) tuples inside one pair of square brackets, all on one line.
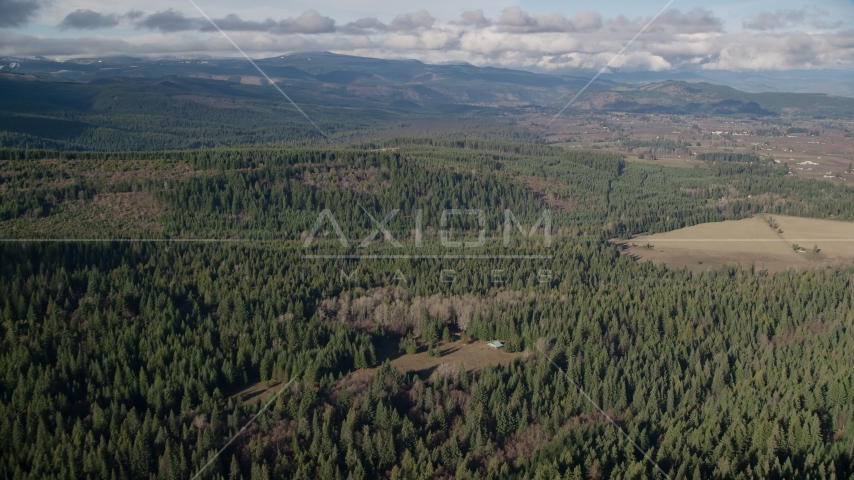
[(474, 356), (750, 241)]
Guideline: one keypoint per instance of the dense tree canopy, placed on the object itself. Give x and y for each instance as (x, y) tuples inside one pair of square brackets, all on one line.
[(123, 358)]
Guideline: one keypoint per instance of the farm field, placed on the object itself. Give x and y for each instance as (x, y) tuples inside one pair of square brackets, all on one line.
[(814, 149), (750, 241)]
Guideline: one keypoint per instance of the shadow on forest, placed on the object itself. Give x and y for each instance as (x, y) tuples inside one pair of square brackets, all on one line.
[(425, 373)]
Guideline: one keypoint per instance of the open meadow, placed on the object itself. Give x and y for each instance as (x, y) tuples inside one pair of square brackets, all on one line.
[(472, 356), (750, 241)]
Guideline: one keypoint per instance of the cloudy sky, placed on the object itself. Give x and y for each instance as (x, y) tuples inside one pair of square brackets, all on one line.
[(545, 35)]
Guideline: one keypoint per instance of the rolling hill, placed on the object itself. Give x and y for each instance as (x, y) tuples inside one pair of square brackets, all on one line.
[(138, 104)]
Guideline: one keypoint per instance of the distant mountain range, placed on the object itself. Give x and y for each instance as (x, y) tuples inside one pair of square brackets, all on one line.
[(399, 87), (830, 82), (678, 97), (409, 83)]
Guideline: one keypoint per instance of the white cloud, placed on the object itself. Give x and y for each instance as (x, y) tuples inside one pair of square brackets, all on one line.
[(363, 26), (410, 21), (476, 18), (782, 19), (233, 22), (697, 20), (587, 20), (90, 20), (309, 22), (517, 38), (514, 19), (781, 51), (170, 21)]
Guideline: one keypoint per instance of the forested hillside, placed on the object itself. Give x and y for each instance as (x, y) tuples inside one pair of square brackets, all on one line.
[(121, 357)]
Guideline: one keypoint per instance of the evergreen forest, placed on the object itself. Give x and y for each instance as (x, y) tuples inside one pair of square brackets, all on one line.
[(145, 294)]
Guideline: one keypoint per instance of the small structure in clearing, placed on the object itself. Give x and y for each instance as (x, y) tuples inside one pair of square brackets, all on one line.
[(495, 344)]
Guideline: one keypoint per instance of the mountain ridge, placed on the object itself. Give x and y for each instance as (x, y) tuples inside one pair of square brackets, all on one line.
[(349, 96)]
